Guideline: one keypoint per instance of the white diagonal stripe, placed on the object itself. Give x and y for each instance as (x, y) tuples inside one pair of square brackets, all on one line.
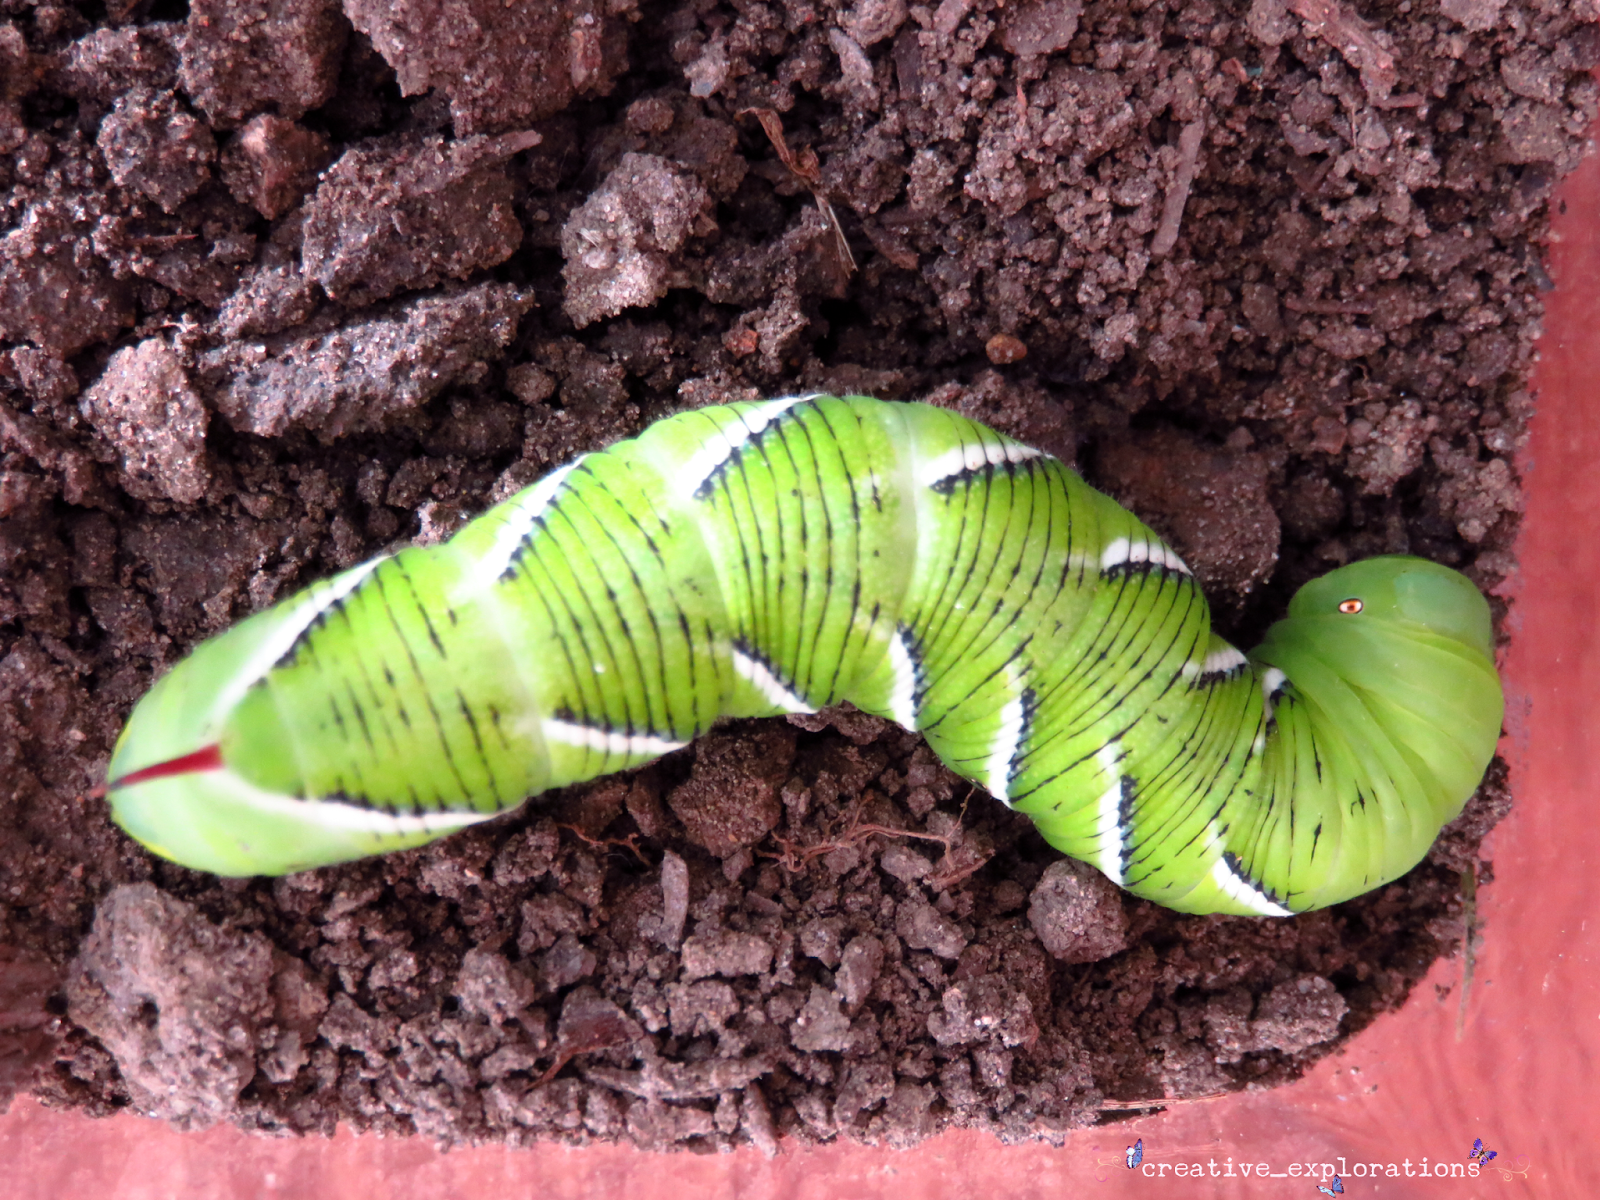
[(1124, 550), (970, 457), (1271, 680), (608, 741), (1108, 829), (1219, 662), (1003, 750), (337, 814), (1240, 889), (779, 694), (903, 692), (720, 446), (521, 515), (300, 613)]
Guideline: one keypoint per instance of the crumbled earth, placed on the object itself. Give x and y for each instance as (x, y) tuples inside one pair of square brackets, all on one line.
[(283, 284)]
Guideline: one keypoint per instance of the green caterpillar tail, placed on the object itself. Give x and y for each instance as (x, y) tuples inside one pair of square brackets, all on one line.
[(780, 556)]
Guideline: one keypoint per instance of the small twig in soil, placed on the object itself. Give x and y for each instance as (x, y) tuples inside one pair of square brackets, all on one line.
[(1352, 38), (1341, 28), (1360, 308), (943, 881), (161, 241), (597, 1035), (804, 167), (1159, 1102), (1166, 235), (795, 857), (629, 843)]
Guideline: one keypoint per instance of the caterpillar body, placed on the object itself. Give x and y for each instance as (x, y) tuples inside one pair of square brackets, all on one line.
[(779, 556)]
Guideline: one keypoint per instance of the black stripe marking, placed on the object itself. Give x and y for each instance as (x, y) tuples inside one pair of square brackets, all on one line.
[(1019, 753), (781, 566), (565, 621), (1113, 639), (1129, 797), (803, 502), (302, 640), (416, 669), (536, 525), (984, 473), (477, 741), (1235, 865), (643, 593), (998, 629), (836, 444), (708, 485), (919, 674), (1187, 776), (422, 609), (613, 601), (1129, 566)]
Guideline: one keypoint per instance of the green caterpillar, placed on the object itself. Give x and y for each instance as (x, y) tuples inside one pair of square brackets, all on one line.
[(779, 556)]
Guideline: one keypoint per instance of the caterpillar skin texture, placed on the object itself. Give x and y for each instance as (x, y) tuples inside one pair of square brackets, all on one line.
[(780, 556)]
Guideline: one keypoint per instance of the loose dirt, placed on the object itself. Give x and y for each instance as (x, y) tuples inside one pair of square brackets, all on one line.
[(283, 284)]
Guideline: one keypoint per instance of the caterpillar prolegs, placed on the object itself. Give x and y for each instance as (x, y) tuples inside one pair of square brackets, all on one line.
[(779, 556)]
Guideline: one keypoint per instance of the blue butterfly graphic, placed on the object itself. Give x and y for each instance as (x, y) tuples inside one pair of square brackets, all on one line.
[(1337, 1189), (1135, 1154), (1479, 1153)]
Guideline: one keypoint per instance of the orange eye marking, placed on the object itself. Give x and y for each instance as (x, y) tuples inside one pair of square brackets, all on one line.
[(1350, 606)]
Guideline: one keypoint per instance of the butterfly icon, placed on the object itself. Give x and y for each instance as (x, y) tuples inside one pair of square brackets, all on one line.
[(1479, 1153), (1135, 1154), (1335, 1189)]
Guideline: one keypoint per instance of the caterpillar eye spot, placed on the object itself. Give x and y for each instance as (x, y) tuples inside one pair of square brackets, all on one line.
[(1351, 607)]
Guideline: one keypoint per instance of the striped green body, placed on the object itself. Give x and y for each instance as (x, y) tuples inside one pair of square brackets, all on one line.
[(782, 556)]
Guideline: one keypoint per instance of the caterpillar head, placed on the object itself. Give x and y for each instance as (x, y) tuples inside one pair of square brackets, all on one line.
[(1393, 658), (1402, 592)]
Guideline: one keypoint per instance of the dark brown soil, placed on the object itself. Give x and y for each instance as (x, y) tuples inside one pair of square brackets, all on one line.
[(1268, 271)]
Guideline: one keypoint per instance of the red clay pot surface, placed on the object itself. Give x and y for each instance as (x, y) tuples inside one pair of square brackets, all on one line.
[(1511, 1059)]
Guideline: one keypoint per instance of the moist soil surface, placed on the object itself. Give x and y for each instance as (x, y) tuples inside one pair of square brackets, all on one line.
[(286, 284)]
